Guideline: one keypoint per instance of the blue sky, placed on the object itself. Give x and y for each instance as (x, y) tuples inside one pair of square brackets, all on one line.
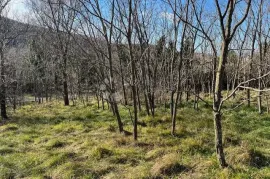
[(18, 9)]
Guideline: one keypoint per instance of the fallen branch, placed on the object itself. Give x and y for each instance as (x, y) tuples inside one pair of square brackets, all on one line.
[(241, 85), (254, 89)]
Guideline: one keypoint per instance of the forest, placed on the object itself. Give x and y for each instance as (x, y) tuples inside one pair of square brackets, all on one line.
[(135, 89)]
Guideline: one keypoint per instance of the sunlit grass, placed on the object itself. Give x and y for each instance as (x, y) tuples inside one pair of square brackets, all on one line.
[(55, 141)]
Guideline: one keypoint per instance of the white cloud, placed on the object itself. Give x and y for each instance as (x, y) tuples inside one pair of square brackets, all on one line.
[(18, 10), (169, 16)]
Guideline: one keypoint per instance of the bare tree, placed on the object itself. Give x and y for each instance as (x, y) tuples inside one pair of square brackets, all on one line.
[(95, 23), (60, 21), (228, 27), (7, 34)]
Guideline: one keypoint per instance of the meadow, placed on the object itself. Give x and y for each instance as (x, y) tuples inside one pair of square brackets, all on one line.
[(51, 140)]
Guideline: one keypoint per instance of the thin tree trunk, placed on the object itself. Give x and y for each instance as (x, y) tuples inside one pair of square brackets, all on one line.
[(123, 82), (218, 139), (217, 103), (135, 130), (254, 35), (65, 84), (267, 103), (66, 99), (119, 121), (172, 112), (146, 104), (139, 100), (179, 68), (3, 86), (97, 100), (102, 102)]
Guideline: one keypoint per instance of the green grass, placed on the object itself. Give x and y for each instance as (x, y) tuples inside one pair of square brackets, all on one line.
[(54, 141)]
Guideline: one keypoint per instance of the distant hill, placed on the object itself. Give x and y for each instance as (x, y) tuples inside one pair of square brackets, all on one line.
[(17, 34)]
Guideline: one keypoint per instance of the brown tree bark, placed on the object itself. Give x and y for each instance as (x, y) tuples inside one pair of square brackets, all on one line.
[(227, 33), (2, 84)]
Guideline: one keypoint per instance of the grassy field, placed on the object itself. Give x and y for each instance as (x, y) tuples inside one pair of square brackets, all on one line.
[(54, 141)]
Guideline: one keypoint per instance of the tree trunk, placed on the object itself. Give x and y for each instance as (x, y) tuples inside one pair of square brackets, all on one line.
[(123, 82), (267, 104), (254, 35), (134, 94), (195, 104), (175, 113), (139, 100), (260, 99), (65, 84), (217, 104), (146, 104), (218, 139), (135, 134), (102, 102), (3, 86), (66, 99), (120, 124), (248, 97), (97, 100), (152, 104), (172, 113)]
